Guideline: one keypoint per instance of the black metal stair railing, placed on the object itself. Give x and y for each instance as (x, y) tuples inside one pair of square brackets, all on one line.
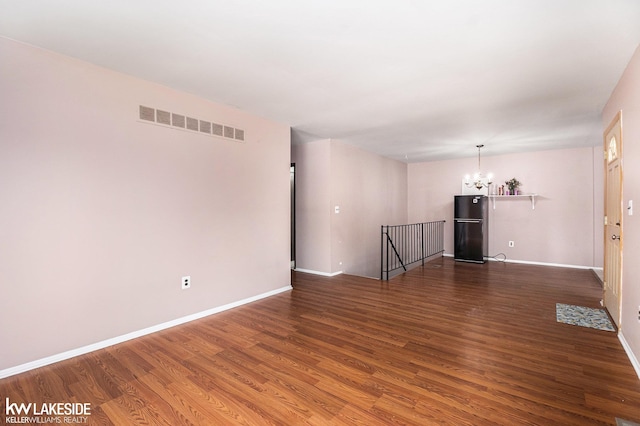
[(401, 246)]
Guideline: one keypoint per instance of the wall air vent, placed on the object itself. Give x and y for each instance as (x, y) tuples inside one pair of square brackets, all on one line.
[(205, 126), (163, 117), (217, 129), (192, 124), (183, 122), (178, 120), (147, 114)]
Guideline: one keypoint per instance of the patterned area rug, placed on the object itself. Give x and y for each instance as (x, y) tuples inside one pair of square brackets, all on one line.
[(584, 317)]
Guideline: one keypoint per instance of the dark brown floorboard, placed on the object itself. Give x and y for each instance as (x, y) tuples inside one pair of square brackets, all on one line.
[(445, 344)]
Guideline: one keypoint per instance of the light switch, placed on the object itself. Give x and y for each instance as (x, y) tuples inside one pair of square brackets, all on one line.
[(630, 208), (337, 209)]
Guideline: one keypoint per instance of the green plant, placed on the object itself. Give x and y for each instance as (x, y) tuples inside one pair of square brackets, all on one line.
[(512, 184)]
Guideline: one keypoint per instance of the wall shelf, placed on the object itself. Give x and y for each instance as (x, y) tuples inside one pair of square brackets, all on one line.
[(515, 197)]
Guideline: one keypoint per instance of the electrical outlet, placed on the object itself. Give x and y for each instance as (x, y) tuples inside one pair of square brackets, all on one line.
[(186, 283), (511, 244)]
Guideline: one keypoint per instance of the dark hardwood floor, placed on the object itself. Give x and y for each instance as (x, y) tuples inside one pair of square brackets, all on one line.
[(447, 344)]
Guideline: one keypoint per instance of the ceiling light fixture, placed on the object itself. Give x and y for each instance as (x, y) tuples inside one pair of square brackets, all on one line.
[(479, 181)]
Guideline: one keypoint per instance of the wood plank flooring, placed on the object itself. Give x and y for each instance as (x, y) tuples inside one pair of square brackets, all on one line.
[(447, 344)]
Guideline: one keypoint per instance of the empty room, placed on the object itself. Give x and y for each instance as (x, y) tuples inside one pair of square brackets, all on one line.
[(323, 213)]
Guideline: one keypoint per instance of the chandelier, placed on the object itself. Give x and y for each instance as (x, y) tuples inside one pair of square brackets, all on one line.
[(479, 181)]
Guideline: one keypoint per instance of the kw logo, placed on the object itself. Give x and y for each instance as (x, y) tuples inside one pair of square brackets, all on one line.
[(13, 409), (47, 408)]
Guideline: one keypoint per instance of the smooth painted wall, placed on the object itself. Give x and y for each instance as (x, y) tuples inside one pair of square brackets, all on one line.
[(626, 98), (560, 230), (313, 205), (369, 191), (101, 214)]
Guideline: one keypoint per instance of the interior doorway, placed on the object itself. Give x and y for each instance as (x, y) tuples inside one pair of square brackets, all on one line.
[(293, 214), (613, 219)]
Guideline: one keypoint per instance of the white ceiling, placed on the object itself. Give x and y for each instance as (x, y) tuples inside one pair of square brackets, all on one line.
[(414, 80)]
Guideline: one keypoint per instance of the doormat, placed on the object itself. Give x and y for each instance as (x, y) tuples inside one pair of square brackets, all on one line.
[(583, 317), (623, 422)]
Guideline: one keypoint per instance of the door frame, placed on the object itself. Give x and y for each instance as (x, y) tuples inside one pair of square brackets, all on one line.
[(292, 177), (616, 121)]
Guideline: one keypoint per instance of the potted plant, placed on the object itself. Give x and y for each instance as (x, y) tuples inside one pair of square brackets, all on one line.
[(513, 184)]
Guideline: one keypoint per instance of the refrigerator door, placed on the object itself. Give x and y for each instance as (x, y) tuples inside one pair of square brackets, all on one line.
[(469, 207), (469, 240)]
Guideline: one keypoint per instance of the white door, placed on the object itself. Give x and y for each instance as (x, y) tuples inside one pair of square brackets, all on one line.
[(613, 243)]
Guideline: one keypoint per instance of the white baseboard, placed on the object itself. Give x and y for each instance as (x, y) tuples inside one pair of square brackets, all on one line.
[(115, 340), (528, 262), (557, 265), (630, 354), (324, 274)]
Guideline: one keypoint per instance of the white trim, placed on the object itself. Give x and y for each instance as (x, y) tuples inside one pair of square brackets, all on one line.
[(632, 357), (135, 334), (558, 265), (527, 262), (324, 274)]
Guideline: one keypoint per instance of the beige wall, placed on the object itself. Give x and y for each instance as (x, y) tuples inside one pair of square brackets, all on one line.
[(598, 207), (102, 214), (369, 190), (626, 98), (313, 205), (561, 228)]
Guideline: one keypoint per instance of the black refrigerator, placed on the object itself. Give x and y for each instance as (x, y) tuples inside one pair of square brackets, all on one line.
[(471, 228)]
